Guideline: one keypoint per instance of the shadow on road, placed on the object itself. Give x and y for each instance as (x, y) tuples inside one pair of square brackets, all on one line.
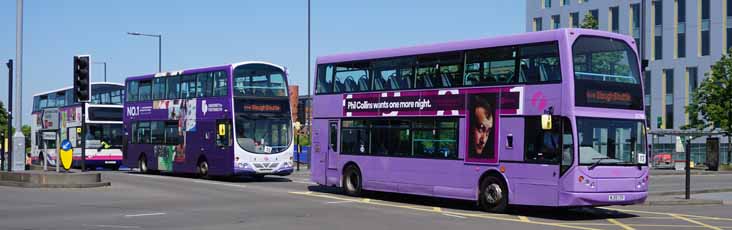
[(562, 214), (231, 179)]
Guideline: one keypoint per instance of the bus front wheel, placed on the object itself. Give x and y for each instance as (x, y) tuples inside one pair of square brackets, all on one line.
[(352, 181), (493, 195), (202, 168)]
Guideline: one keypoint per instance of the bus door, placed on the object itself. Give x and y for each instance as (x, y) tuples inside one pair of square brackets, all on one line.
[(536, 179), (332, 156)]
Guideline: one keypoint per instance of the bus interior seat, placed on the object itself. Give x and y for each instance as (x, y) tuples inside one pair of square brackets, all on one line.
[(363, 83), (472, 79), (351, 84), (427, 82), (394, 82), (339, 87), (445, 79), (379, 83)]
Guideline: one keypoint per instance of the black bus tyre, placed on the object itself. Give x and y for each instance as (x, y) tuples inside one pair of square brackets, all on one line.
[(493, 196), (142, 164), (202, 168), (352, 181), (40, 158), (258, 176)]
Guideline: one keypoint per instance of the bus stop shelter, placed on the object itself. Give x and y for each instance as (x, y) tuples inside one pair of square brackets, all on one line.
[(686, 137)]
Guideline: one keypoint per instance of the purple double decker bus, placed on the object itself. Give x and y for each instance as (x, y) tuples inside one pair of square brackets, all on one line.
[(552, 118), (220, 121)]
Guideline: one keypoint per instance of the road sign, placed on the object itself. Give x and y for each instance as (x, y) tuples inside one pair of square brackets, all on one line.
[(66, 154)]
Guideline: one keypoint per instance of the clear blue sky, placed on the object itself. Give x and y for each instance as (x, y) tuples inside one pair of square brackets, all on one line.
[(203, 33)]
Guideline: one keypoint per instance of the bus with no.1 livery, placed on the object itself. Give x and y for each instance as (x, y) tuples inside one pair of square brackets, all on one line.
[(552, 118), (57, 115), (219, 121)]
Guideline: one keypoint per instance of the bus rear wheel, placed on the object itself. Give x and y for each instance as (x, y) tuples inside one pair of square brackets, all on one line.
[(493, 195), (202, 168), (352, 181)]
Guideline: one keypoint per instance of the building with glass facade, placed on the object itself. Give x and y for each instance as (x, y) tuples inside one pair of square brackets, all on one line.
[(681, 39)]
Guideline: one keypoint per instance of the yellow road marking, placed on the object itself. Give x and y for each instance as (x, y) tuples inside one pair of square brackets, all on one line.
[(668, 214), (524, 219), (695, 222), (437, 209), (444, 212), (618, 223), (366, 200)]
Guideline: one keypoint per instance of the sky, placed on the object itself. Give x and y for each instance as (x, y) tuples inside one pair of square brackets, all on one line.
[(215, 32)]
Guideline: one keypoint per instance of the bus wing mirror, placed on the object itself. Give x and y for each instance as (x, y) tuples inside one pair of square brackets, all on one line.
[(546, 122)]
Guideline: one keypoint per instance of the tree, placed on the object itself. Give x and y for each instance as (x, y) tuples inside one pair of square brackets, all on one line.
[(589, 22), (711, 107), (26, 129), (3, 118)]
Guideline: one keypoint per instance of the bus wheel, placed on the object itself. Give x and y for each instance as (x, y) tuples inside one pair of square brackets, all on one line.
[(142, 163), (202, 168), (352, 181), (40, 158), (493, 195), (258, 176)]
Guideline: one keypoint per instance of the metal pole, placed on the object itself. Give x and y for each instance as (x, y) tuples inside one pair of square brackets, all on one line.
[(160, 53), (105, 71), (58, 153), (83, 136), (18, 138), (307, 101), (9, 148), (688, 169), (297, 158)]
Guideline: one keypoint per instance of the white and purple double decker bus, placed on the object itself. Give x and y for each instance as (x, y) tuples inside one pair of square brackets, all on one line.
[(56, 115), (220, 121), (552, 118)]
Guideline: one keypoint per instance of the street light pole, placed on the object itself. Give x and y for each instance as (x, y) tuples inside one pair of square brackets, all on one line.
[(18, 138), (160, 46), (105, 69)]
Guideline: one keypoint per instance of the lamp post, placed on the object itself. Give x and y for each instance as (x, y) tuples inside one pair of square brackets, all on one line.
[(105, 69), (160, 46)]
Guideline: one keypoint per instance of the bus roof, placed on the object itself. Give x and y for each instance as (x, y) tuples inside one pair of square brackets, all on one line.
[(200, 69), (70, 87), (507, 40)]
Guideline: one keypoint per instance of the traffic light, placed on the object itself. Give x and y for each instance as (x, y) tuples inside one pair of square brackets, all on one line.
[(82, 87)]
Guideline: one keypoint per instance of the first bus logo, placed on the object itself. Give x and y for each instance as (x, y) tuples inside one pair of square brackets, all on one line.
[(133, 111)]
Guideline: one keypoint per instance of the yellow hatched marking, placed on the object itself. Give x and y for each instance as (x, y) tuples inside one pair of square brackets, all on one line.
[(618, 223), (696, 222), (524, 219), (437, 209)]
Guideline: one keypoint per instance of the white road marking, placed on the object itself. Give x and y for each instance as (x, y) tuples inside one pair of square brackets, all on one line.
[(303, 182), (456, 216), (340, 202), (146, 214), (114, 226)]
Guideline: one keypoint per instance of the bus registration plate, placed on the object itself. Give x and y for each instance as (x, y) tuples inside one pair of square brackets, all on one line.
[(616, 198), (110, 162)]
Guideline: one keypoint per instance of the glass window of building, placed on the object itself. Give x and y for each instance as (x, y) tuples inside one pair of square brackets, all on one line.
[(565, 2), (635, 23), (614, 19), (705, 27), (669, 98), (729, 25), (547, 4), (555, 22), (537, 24), (680, 28), (574, 20), (691, 73), (658, 30)]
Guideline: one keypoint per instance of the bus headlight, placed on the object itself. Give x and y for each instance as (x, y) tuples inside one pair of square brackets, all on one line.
[(243, 165)]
